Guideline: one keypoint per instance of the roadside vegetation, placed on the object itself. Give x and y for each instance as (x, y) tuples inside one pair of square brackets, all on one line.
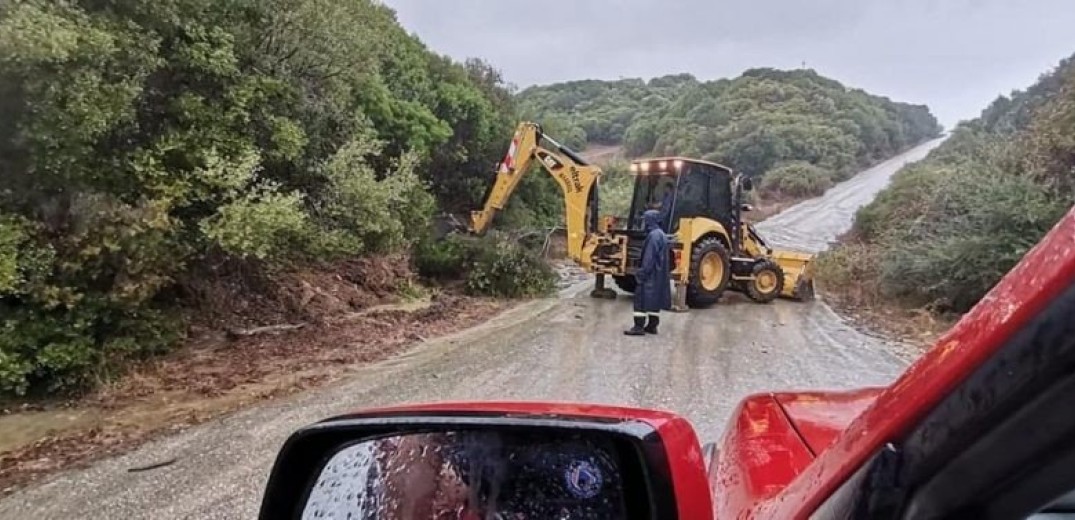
[(148, 149), (949, 227)]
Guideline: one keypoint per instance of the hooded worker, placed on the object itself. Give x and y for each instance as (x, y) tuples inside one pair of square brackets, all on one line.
[(653, 292)]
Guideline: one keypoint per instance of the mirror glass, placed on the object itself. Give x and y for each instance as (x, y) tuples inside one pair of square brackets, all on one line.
[(471, 474), (747, 184)]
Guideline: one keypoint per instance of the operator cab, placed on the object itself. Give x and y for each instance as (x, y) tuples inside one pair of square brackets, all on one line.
[(682, 188)]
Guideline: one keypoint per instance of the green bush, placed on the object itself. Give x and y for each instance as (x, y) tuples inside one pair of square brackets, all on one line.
[(796, 179), (379, 213), (500, 267), (904, 200), (11, 239), (852, 269), (61, 350), (976, 226), (492, 265), (941, 236), (265, 225), (444, 259), (23, 263)]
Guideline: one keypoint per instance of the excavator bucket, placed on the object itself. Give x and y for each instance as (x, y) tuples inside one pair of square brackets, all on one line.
[(798, 274)]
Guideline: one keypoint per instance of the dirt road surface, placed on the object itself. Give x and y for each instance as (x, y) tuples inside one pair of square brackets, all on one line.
[(569, 348), (814, 224)]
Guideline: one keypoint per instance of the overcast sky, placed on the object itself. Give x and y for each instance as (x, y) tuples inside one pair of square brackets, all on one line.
[(954, 55)]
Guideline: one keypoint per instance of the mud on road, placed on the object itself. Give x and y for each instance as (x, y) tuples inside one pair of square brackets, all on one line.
[(570, 348)]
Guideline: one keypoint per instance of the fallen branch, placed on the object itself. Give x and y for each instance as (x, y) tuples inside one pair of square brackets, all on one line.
[(548, 240), (268, 329), (361, 316), (161, 464)]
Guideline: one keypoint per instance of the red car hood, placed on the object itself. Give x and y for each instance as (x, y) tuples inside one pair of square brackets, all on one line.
[(819, 417), (774, 437)]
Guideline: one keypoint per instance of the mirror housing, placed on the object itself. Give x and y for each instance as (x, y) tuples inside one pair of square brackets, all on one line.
[(746, 183), (664, 473)]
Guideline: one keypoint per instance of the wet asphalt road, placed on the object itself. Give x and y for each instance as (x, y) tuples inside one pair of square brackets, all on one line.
[(565, 349)]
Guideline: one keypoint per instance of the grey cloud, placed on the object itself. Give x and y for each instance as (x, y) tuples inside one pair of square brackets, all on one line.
[(954, 55)]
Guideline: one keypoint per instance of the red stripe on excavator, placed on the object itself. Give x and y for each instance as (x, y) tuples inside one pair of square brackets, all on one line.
[(508, 164)]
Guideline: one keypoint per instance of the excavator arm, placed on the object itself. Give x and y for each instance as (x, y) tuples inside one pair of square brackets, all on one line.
[(578, 181)]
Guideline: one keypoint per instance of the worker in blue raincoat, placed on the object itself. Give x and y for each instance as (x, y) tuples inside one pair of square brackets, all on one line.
[(653, 292)]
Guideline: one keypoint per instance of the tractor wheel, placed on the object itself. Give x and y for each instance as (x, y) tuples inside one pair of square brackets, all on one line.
[(768, 282), (628, 283), (710, 272)]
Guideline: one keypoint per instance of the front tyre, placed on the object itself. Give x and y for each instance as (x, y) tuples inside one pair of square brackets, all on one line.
[(768, 282)]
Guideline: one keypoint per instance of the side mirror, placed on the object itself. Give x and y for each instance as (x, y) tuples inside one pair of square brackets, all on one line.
[(503, 460), (746, 207), (746, 183)]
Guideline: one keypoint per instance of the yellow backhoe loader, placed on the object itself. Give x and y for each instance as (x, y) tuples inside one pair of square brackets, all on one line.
[(701, 202)]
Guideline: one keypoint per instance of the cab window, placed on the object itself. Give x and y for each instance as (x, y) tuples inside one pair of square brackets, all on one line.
[(693, 194)]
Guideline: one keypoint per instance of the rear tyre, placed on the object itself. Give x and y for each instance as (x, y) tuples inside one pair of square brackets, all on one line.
[(627, 283), (768, 282), (710, 272)]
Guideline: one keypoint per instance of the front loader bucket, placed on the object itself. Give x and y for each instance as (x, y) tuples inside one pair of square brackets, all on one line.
[(798, 274)]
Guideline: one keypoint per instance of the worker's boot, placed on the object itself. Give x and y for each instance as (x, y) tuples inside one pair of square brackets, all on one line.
[(654, 321), (639, 328)]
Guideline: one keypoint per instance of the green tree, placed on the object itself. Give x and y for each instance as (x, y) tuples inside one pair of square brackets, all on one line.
[(752, 123), (141, 142)]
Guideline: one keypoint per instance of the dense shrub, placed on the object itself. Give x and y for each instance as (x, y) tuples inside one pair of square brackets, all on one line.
[(975, 226), (949, 227), (262, 225), (851, 269), (796, 179), (62, 349), (493, 265), (375, 213), (501, 267), (443, 259)]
